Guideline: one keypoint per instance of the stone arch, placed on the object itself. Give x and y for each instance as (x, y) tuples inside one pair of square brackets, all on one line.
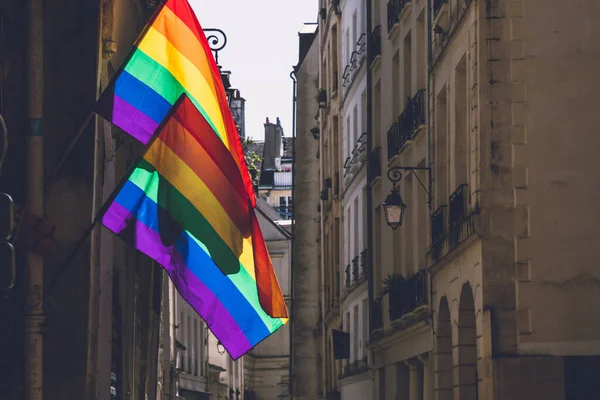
[(443, 357), (466, 368)]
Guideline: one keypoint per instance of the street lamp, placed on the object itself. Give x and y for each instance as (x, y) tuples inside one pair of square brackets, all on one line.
[(393, 209), (220, 348), (393, 206)]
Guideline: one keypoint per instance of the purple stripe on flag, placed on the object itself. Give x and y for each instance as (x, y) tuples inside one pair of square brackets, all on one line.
[(132, 120), (192, 289)]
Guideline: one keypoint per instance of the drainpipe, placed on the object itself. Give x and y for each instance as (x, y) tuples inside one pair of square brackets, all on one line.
[(370, 279), (291, 369), (34, 314), (430, 173)]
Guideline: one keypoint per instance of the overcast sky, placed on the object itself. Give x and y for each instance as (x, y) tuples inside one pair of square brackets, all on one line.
[(262, 48)]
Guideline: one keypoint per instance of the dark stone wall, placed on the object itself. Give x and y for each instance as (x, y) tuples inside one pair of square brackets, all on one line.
[(13, 109), (71, 47)]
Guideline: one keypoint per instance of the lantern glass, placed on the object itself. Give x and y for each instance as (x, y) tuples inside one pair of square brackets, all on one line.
[(393, 209), (220, 348)]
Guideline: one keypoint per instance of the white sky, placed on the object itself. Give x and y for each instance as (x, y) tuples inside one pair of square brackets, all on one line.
[(262, 48)]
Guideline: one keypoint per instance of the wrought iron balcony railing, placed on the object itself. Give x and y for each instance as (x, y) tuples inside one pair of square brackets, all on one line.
[(456, 214), (376, 42), (393, 140), (438, 231), (411, 293), (437, 6), (375, 164), (394, 9), (411, 118), (354, 368), (364, 262), (347, 281), (355, 272)]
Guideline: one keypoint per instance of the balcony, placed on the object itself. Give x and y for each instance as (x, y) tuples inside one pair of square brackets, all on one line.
[(375, 164), (394, 9), (406, 294), (354, 368), (364, 263), (282, 179), (461, 223), (438, 232), (409, 121), (347, 280), (356, 59), (393, 139), (437, 6), (355, 271), (376, 42), (456, 214), (361, 48)]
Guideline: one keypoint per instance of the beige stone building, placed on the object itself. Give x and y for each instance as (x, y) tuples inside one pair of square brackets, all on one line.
[(402, 336), (487, 289), (196, 364), (330, 208), (499, 280), (306, 313)]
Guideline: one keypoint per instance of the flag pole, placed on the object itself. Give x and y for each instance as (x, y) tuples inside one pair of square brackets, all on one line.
[(65, 265), (70, 148)]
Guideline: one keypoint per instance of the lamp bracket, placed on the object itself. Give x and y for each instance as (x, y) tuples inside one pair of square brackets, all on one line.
[(395, 175), (217, 40)]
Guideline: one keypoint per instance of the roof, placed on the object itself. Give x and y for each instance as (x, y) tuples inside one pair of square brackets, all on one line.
[(257, 147), (271, 215)]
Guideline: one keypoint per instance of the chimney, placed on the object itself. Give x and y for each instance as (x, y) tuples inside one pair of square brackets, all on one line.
[(273, 144)]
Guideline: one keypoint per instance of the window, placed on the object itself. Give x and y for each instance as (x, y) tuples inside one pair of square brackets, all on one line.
[(408, 93), (460, 120), (396, 103), (285, 207), (354, 335), (441, 160)]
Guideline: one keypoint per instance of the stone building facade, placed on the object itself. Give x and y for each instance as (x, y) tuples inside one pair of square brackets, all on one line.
[(330, 207), (487, 290), (402, 336), (306, 310), (93, 322), (198, 367), (354, 377)]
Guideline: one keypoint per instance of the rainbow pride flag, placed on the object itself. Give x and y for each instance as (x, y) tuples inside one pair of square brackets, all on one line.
[(188, 203), (184, 204), (171, 57)]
